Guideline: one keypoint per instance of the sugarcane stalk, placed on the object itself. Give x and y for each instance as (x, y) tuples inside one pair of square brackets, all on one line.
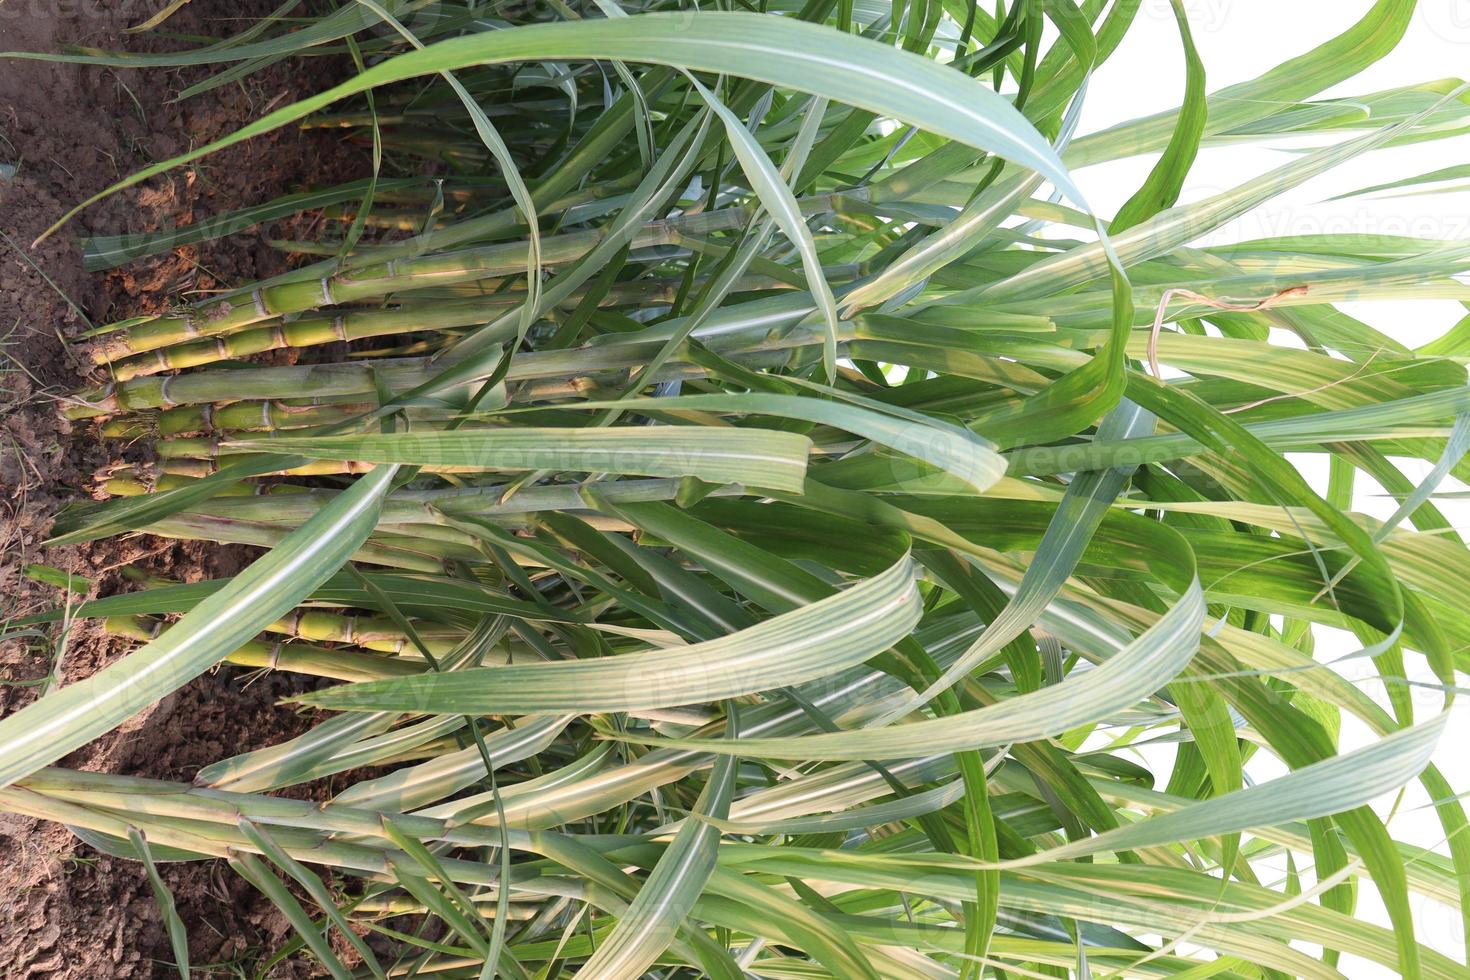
[(316, 329), (398, 220), (759, 341), (200, 467), (254, 417), (282, 510), (271, 518), (193, 469), (401, 515), (312, 330), (392, 551), (136, 479), (210, 419), (223, 809), (422, 507), (317, 625), (202, 447), (370, 632), (323, 381), (133, 479), (403, 271), (579, 205), (143, 425), (458, 190), (428, 113), (204, 831), (350, 286), (643, 292), (121, 486), (297, 658)]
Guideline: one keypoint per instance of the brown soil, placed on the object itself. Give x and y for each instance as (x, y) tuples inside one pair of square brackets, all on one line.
[(66, 911)]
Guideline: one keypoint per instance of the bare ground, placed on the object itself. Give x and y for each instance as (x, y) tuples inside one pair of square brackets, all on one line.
[(65, 910)]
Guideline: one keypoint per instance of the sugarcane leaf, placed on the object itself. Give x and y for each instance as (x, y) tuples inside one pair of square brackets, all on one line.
[(129, 513), (1086, 500), (951, 448), (1166, 180), (801, 645), (70, 717), (824, 940), (178, 933), (1238, 106), (1318, 790), (755, 457), (779, 203), (1432, 177), (255, 871), (654, 916), (848, 818), (1178, 225), (413, 787), (275, 765), (102, 252), (844, 68), (314, 887), (1133, 672)]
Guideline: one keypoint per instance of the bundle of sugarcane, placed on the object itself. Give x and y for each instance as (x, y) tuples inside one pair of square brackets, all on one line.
[(756, 521)]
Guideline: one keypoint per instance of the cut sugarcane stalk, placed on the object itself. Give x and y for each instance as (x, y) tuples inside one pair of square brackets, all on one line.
[(297, 658), (370, 632), (136, 479), (312, 330), (209, 419), (369, 282), (538, 375), (418, 554), (402, 272), (316, 329)]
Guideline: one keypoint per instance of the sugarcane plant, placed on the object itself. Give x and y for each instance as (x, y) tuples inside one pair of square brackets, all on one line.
[(736, 509)]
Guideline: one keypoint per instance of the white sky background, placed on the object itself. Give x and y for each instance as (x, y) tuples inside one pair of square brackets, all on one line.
[(1237, 40)]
